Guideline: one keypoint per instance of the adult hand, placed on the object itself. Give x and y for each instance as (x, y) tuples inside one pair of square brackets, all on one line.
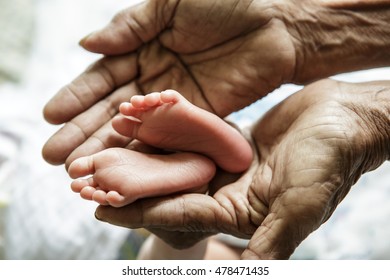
[(222, 55), (311, 149), (207, 50)]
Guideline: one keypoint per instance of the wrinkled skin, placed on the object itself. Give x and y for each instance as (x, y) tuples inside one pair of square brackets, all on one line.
[(221, 55), (311, 149)]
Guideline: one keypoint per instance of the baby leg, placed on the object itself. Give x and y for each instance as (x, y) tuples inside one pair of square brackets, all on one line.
[(121, 176), (167, 120)]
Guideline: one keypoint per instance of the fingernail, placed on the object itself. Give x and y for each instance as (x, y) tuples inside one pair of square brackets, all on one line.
[(97, 215), (85, 38)]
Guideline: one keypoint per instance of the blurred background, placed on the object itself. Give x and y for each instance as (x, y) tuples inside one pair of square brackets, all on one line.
[(41, 218)]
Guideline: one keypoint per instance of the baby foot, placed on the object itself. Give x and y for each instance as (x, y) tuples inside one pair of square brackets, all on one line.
[(167, 120), (121, 176)]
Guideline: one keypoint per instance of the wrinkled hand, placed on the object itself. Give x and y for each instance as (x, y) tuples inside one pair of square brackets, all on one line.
[(222, 55), (311, 149)]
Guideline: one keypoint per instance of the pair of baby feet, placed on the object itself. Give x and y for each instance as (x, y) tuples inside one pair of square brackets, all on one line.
[(198, 141)]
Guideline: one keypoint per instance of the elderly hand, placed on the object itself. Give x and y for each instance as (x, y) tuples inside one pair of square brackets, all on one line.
[(311, 149), (222, 55), (208, 50)]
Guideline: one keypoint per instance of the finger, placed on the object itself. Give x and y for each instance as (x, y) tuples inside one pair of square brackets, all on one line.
[(95, 84), (272, 241), (180, 240), (289, 221), (91, 129), (131, 28), (176, 213)]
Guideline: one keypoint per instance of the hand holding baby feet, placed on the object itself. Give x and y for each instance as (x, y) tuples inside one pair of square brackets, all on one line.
[(169, 121), (120, 176)]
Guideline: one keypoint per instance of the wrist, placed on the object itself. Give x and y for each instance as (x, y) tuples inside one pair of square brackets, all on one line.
[(369, 104), (339, 37)]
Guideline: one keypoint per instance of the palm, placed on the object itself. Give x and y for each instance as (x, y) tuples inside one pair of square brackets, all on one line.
[(304, 144), (216, 57), (219, 58)]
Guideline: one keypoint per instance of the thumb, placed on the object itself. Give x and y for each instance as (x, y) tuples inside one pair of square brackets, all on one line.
[(281, 233), (181, 221), (272, 241), (131, 28), (195, 215)]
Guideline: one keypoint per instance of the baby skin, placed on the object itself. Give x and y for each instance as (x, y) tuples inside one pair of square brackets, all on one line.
[(168, 121)]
